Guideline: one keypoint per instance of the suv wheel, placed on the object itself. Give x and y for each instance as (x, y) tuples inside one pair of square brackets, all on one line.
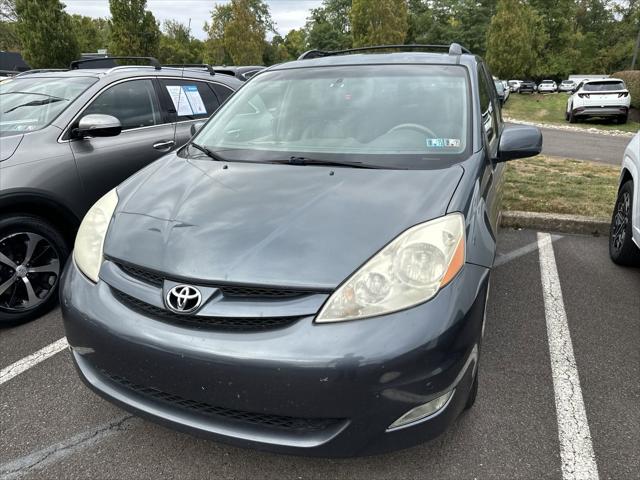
[(621, 247), (622, 119), (32, 255), (572, 118)]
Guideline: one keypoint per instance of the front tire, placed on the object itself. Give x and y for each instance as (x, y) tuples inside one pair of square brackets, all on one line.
[(473, 393), (621, 247), (572, 117), (32, 255)]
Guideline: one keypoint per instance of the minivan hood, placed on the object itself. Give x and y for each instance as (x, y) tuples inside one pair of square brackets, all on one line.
[(267, 224), (8, 145)]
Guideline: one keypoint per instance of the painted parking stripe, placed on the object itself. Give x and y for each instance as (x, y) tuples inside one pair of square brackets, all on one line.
[(32, 360), (576, 449)]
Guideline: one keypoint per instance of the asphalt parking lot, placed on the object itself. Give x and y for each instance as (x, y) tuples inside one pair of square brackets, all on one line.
[(54, 427)]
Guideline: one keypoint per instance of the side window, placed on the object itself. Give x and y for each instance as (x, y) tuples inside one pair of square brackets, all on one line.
[(486, 105), (134, 103), (222, 91), (188, 99)]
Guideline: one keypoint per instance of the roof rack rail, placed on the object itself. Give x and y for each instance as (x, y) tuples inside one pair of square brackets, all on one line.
[(453, 49), (41, 70), (206, 66), (152, 61)]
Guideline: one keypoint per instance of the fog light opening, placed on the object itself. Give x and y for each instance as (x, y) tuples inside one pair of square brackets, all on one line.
[(423, 412)]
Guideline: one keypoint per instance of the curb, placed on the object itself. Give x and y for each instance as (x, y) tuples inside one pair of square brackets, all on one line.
[(570, 128), (555, 222)]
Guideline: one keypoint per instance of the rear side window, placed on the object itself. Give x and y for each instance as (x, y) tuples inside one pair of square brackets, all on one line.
[(222, 91), (603, 86), (134, 103), (188, 99)]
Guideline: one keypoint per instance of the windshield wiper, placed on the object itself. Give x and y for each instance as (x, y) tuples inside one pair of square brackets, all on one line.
[(209, 153), (293, 160), (34, 93), (36, 103)]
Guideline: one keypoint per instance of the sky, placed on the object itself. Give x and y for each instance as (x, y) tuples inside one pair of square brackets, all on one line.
[(287, 14)]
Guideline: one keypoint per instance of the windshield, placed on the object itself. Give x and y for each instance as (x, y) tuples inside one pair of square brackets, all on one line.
[(603, 86), (402, 116), (28, 104)]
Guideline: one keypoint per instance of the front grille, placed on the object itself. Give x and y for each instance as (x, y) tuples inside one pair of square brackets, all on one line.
[(217, 323), (280, 422), (242, 291)]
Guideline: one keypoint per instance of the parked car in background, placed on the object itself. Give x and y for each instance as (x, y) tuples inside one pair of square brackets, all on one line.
[(527, 86), (567, 86), (599, 98), (66, 138), (309, 274), (624, 236), (503, 93), (514, 85), (243, 73), (547, 86)]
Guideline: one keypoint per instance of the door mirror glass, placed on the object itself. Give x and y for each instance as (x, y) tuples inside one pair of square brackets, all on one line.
[(98, 125), (519, 141), (195, 127)]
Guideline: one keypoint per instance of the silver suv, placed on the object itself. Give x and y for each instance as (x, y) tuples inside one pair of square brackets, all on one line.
[(68, 137)]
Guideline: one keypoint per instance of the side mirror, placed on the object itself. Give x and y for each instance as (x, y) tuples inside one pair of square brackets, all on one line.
[(98, 125), (519, 141), (195, 127)]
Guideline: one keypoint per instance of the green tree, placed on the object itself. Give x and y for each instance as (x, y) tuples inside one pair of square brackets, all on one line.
[(91, 34), (295, 43), (9, 39), (514, 40), (236, 34), (177, 45), (378, 22), (328, 27), (134, 30), (45, 33)]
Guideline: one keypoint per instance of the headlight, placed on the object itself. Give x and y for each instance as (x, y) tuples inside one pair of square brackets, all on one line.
[(87, 251), (408, 271)]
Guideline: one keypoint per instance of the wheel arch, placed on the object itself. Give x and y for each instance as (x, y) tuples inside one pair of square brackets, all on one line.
[(43, 206)]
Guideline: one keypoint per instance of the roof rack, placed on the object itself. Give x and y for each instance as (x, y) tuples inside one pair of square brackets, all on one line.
[(206, 66), (152, 61), (453, 49)]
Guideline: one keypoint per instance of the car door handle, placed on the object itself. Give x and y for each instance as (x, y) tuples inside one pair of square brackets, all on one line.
[(164, 144)]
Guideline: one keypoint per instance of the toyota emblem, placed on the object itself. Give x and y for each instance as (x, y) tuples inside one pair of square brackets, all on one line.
[(183, 299)]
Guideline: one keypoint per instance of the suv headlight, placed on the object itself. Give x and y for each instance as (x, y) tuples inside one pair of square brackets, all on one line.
[(408, 271), (87, 252)]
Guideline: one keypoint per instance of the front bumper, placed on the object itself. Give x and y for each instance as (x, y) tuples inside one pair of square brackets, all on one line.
[(310, 389)]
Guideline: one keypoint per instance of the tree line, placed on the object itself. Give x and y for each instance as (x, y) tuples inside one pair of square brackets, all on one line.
[(519, 38)]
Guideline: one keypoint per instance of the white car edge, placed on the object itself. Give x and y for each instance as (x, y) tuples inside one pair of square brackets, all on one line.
[(624, 234), (588, 101)]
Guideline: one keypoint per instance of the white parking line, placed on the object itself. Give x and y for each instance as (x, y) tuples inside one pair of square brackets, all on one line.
[(32, 360), (576, 449)]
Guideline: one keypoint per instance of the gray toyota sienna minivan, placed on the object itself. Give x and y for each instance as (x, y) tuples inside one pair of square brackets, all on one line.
[(309, 274), (66, 138)]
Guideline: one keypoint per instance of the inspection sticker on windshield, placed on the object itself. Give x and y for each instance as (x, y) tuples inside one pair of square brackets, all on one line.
[(443, 142)]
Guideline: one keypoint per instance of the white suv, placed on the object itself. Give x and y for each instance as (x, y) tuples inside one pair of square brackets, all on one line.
[(624, 236), (599, 98), (547, 86)]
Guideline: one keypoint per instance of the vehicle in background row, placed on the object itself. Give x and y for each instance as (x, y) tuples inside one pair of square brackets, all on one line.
[(567, 86), (66, 138), (309, 274), (243, 73), (503, 93), (547, 86), (514, 85), (527, 86), (624, 236), (599, 98)]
